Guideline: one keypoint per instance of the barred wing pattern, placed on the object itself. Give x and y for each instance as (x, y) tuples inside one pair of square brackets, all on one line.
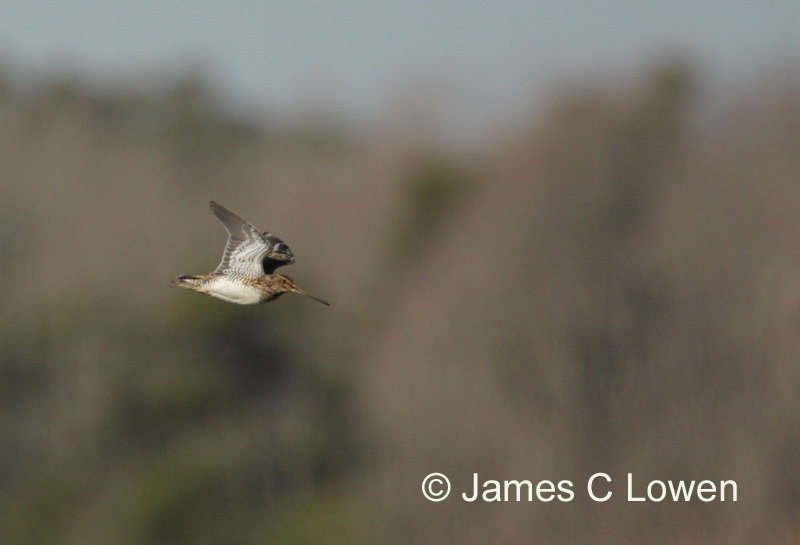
[(249, 253)]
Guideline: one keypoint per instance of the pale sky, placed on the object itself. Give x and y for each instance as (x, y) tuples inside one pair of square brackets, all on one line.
[(356, 55)]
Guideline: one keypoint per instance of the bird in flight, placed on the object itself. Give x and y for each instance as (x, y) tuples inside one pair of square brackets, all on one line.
[(246, 275)]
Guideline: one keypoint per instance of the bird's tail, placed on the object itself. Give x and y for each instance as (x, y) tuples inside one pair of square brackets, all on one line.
[(186, 281)]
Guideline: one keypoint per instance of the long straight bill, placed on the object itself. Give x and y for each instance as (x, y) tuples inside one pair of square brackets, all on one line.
[(314, 297)]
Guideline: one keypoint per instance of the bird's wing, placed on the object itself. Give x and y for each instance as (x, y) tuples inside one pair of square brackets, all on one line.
[(248, 252), (279, 255)]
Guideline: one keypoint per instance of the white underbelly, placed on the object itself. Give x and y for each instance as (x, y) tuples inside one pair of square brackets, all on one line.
[(232, 292)]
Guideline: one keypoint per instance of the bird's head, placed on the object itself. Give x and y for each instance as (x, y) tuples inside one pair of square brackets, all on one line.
[(285, 284)]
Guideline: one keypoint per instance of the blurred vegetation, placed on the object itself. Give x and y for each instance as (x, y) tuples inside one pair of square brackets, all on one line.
[(435, 187), (612, 287)]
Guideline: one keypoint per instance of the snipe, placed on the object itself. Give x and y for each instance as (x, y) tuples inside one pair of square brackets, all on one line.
[(246, 274)]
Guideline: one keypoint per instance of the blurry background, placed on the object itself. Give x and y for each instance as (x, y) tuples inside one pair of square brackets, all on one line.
[(557, 238)]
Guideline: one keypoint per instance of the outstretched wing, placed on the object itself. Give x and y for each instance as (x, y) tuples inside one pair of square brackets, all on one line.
[(248, 252)]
